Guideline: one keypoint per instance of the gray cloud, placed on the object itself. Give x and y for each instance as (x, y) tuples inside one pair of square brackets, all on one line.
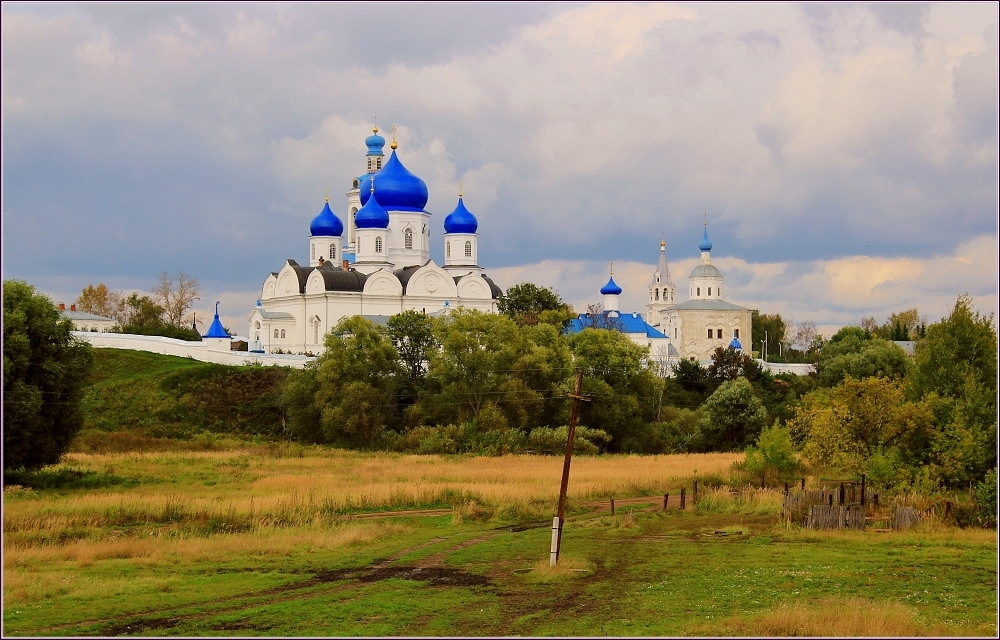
[(202, 137)]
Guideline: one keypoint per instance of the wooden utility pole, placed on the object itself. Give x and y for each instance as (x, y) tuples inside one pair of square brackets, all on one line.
[(557, 522)]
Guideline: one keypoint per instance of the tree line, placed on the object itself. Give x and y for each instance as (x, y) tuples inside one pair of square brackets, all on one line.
[(165, 312), (493, 383)]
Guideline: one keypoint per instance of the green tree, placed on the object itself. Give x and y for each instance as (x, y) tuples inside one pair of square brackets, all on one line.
[(772, 327), (865, 426), (773, 455), (729, 364), (44, 371), (956, 362), (525, 303), (357, 380), (855, 353), (413, 335), (473, 377), (733, 418), (620, 379)]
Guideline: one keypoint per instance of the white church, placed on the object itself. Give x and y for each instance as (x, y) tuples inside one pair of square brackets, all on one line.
[(706, 321), (376, 266)]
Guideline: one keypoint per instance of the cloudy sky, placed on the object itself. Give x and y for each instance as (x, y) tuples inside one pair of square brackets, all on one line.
[(843, 155)]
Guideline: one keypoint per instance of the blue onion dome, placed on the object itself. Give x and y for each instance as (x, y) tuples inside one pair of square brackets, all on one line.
[(371, 215), (706, 244), (611, 288), (398, 189), (375, 143), (460, 220), (326, 223), (735, 343)]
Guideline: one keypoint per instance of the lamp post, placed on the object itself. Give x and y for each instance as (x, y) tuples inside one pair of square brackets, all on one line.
[(765, 346)]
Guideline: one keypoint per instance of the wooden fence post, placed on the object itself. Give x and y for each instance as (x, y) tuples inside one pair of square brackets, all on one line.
[(862, 489), (612, 506), (666, 497), (694, 496), (841, 494), (683, 490), (803, 484)]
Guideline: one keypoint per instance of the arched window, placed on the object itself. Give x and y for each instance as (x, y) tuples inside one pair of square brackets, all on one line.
[(378, 245), (316, 333), (275, 333), (408, 239), (256, 325), (282, 333), (333, 252), (468, 249)]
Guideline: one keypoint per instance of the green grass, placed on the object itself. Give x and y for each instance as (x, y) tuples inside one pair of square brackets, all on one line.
[(647, 573)]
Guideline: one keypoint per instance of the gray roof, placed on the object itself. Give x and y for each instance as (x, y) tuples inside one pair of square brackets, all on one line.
[(81, 316), (709, 305)]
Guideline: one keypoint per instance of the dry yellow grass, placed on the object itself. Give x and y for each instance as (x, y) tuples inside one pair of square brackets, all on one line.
[(836, 617)]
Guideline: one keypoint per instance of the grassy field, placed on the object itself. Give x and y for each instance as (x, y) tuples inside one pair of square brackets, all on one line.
[(286, 540)]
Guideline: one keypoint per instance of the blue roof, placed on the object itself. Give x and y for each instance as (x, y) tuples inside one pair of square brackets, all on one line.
[(625, 322), (398, 189), (460, 220), (611, 288), (326, 223), (372, 215), (735, 343), (216, 330)]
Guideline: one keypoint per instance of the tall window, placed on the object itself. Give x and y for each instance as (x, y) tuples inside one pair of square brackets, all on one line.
[(282, 333), (275, 333), (718, 334), (709, 334), (408, 238), (312, 252), (333, 252), (736, 333), (468, 249), (447, 249), (378, 245), (698, 294), (710, 291)]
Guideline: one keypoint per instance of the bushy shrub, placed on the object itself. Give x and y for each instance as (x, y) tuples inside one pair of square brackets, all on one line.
[(773, 458), (986, 500)]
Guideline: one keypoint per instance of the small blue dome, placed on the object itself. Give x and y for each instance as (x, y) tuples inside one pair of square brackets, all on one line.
[(371, 215), (216, 330), (735, 343), (398, 189), (460, 220), (375, 143), (326, 223), (706, 244), (611, 288)]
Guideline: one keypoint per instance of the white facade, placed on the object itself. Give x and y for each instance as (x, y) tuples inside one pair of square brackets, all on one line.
[(379, 268), (705, 321)]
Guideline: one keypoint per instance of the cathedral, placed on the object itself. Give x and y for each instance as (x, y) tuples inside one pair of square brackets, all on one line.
[(376, 266), (697, 327)]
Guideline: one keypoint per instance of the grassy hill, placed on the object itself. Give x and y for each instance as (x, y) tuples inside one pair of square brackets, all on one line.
[(135, 396)]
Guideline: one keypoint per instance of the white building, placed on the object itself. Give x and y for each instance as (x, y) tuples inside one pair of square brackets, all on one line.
[(382, 266), (704, 322), (631, 324)]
